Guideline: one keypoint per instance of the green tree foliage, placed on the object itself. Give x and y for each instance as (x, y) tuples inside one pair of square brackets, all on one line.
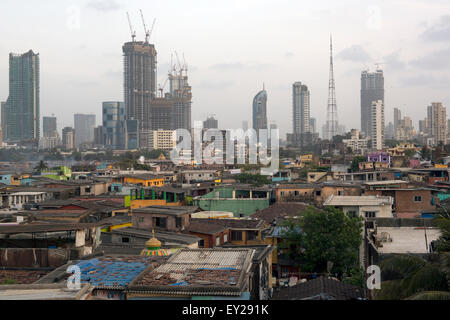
[(425, 153), (404, 277), (431, 295), (355, 162), (409, 153), (326, 235), (443, 243), (41, 166), (254, 179), (355, 278)]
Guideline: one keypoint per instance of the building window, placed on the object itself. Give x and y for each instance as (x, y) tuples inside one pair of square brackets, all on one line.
[(252, 235), (282, 193), (217, 241), (352, 214), (125, 240), (339, 193), (161, 222), (225, 238), (201, 243), (370, 214), (318, 193), (236, 235), (417, 198), (178, 222), (141, 219)]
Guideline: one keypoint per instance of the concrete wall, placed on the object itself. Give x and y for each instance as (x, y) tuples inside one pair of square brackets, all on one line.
[(33, 258), (147, 222)]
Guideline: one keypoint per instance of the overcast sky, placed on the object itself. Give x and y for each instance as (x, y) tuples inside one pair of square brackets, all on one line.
[(232, 48)]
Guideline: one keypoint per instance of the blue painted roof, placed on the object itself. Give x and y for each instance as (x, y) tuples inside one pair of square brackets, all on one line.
[(113, 272)]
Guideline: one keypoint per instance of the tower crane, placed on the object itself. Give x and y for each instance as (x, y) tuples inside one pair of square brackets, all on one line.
[(133, 33)]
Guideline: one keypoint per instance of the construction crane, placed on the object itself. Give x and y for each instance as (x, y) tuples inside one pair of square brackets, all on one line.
[(133, 33), (147, 32), (151, 30), (378, 65), (161, 88)]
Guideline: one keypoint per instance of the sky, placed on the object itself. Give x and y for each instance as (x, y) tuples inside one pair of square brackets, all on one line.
[(233, 47)]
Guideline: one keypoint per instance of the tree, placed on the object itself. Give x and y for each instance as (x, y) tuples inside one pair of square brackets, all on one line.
[(254, 179), (425, 153), (443, 243), (41, 166), (323, 237), (355, 163)]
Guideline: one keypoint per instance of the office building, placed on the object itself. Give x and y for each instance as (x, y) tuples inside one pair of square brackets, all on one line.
[(132, 134), (84, 129), (300, 108), (113, 115), (377, 128), (164, 140), (372, 89), (23, 107)]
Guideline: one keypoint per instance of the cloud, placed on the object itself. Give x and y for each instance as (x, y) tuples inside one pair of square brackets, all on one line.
[(355, 53), (435, 60), (439, 31), (233, 66), (104, 5), (215, 85), (394, 62), (427, 80), (288, 55)]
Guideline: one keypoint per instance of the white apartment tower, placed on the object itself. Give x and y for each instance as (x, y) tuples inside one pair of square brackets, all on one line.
[(377, 128)]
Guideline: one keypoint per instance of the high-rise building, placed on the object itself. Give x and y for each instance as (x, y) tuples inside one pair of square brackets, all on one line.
[(332, 124), (140, 84), (22, 106), (260, 111), (4, 118), (164, 140), (211, 123), (389, 131), (313, 125), (300, 108), (181, 96), (437, 117), (397, 118), (377, 128), (132, 134), (372, 89), (84, 129), (68, 138), (114, 125), (98, 136), (49, 126)]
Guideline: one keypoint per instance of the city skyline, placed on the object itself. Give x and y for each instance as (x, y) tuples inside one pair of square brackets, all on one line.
[(234, 79)]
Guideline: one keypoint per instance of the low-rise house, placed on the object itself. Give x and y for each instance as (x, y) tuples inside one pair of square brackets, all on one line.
[(212, 235), (168, 218), (319, 289), (46, 245), (213, 274), (242, 200), (363, 206), (196, 176), (242, 231)]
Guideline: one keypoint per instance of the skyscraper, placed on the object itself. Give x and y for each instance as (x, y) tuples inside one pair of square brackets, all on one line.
[(300, 108), (377, 127), (260, 111), (181, 98), (397, 119), (68, 138), (140, 85), (313, 125), (84, 129), (372, 89), (114, 125), (211, 123), (22, 106), (332, 125), (437, 117), (49, 126)]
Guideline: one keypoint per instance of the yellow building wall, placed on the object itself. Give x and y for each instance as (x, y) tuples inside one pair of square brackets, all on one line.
[(159, 182), (136, 204)]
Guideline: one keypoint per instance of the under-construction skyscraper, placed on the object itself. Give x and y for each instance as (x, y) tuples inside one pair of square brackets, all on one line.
[(332, 119), (140, 85), (372, 89)]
